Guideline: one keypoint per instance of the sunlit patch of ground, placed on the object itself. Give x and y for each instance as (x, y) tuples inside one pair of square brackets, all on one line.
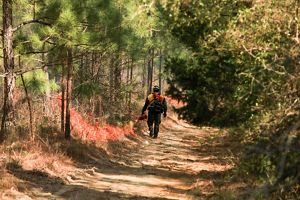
[(185, 162)]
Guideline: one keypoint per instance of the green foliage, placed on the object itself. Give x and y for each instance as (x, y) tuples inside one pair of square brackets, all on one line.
[(243, 72), (271, 56), (207, 78), (87, 90), (233, 62), (36, 82)]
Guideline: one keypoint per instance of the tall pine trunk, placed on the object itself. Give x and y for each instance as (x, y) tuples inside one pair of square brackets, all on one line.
[(47, 84), (63, 88), (150, 70), (8, 62), (117, 77), (144, 77), (130, 92), (160, 71), (127, 81), (31, 118), (149, 77), (69, 93), (111, 81)]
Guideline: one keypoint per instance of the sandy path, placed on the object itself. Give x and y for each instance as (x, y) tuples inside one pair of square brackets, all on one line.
[(181, 158)]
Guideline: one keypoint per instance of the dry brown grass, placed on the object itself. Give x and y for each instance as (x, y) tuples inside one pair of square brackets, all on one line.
[(7, 183), (36, 155), (7, 180), (50, 154)]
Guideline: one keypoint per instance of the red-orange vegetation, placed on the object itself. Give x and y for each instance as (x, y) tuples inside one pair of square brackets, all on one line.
[(83, 128)]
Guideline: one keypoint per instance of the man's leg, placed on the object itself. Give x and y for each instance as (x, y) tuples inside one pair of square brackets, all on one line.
[(157, 120), (150, 123)]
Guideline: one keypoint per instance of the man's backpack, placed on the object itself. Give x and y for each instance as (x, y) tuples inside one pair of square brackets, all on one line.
[(156, 103)]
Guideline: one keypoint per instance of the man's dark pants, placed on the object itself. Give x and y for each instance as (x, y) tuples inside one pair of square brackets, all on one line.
[(156, 119)]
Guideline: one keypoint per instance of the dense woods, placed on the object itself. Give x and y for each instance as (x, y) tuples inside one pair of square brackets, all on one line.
[(93, 53), (233, 63), (244, 74)]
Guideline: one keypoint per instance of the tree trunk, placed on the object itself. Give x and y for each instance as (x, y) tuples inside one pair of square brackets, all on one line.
[(33, 10), (69, 93), (31, 117), (127, 81), (117, 77), (144, 78), (160, 71), (297, 20), (48, 90), (150, 70), (63, 88), (149, 78), (87, 64), (130, 92), (8, 62), (152, 66), (93, 62), (30, 110), (111, 81)]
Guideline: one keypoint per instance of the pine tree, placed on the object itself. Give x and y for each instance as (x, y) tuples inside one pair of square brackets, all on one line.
[(8, 58)]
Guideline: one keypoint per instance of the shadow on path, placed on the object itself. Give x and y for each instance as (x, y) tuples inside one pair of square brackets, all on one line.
[(34, 179)]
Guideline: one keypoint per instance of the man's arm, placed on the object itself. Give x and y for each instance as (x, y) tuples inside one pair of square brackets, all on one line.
[(145, 105)]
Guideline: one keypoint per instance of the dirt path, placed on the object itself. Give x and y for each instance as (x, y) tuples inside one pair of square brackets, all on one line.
[(185, 162)]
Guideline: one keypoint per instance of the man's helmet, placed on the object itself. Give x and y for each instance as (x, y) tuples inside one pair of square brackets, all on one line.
[(156, 88)]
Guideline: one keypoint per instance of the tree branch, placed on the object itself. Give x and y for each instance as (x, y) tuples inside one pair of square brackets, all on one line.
[(39, 52), (38, 21), (20, 72)]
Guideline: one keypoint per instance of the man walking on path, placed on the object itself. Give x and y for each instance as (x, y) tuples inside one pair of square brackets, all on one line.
[(156, 105)]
